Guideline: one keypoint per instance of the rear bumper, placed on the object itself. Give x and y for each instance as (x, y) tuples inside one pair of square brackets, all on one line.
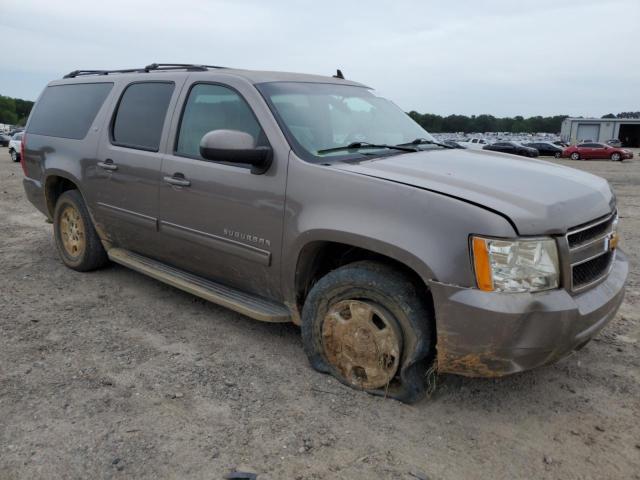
[(482, 334), (35, 194)]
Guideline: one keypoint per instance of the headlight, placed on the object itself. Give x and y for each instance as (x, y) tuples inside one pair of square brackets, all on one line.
[(515, 265)]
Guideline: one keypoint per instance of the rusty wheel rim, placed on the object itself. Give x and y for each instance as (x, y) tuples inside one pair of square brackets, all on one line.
[(72, 231), (362, 342)]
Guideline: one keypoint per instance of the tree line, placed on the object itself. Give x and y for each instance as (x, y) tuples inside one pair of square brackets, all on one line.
[(14, 111), (487, 123)]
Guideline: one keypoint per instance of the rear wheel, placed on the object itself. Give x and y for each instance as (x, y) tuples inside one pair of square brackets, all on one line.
[(78, 243), (14, 155), (616, 157), (557, 155), (575, 156), (369, 326)]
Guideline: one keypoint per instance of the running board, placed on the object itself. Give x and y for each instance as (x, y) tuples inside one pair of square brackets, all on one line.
[(231, 298)]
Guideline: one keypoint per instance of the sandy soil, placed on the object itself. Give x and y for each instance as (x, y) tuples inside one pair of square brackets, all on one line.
[(114, 375)]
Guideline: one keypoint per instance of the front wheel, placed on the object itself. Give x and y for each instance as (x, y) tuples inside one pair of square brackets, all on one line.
[(78, 243), (369, 326), (616, 157), (14, 156), (575, 156)]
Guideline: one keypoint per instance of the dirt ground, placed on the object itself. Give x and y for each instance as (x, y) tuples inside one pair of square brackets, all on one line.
[(114, 375)]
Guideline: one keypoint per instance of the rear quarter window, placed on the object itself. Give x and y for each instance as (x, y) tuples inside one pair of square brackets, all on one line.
[(67, 111)]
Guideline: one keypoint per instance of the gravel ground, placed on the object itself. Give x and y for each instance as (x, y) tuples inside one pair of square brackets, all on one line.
[(114, 375)]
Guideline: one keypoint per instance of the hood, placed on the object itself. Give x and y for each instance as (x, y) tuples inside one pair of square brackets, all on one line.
[(538, 197)]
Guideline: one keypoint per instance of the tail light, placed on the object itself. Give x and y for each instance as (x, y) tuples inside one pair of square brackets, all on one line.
[(23, 145)]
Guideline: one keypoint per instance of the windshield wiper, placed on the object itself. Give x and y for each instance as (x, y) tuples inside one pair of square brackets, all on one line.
[(361, 145), (424, 141)]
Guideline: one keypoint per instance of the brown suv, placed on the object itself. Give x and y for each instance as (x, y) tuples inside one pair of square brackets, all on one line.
[(311, 199)]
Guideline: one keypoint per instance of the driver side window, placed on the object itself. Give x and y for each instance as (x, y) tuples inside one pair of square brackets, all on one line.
[(214, 107)]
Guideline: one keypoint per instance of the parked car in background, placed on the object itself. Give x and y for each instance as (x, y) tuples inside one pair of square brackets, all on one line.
[(512, 148), (589, 151), (546, 149), (453, 144), (614, 142), (14, 131), (4, 140), (15, 145), (475, 143)]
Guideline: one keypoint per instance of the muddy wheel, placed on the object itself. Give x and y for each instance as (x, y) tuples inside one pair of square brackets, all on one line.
[(369, 326), (78, 243)]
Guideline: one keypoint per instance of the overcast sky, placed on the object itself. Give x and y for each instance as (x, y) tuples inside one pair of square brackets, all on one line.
[(502, 57)]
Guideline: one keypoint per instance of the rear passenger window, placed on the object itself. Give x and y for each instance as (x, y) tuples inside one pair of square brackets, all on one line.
[(140, 115), (214, 107), (67, 111)]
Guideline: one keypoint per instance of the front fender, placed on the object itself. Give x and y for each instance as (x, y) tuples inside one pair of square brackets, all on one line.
[(426, 231)]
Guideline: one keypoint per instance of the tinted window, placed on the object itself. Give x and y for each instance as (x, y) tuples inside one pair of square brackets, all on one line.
[(68, 111), (214, 107), (17, 136), (140, 116), (588, 145)]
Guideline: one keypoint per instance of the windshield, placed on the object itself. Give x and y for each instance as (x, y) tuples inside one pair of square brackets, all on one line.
[(319, 119)]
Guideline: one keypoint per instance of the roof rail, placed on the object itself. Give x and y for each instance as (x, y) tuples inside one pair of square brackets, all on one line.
[(151, 67)]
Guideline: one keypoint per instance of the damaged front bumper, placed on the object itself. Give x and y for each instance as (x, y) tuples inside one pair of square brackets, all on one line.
[(488, 334)]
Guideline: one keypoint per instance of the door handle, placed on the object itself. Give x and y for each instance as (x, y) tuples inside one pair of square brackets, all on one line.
[(177, 180), (108, 165)]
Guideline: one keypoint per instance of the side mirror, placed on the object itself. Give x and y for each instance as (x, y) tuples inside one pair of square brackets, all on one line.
[(234, 146)]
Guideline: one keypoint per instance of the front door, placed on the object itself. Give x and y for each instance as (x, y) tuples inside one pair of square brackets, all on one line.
[(126, 176), (219, 220)]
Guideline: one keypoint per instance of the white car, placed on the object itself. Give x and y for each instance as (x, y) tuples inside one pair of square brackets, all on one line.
[(15, 145), (474, 143)]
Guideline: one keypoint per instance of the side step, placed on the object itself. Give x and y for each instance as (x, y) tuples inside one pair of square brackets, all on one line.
[(231, 298)]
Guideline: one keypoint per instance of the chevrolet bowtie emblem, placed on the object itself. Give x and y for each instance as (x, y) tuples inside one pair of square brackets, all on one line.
[(614, 239)]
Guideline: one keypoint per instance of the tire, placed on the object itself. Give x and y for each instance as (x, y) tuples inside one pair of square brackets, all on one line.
[(558, 155), (78, 244), (14, 156), (400, 312), (616, 157), (575, 156)]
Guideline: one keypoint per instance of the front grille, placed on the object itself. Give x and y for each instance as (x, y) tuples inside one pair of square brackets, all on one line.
[(590, 257), (585, 273), (588, 233)]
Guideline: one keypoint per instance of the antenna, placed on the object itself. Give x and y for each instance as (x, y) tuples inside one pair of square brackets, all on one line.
[(339, 74)]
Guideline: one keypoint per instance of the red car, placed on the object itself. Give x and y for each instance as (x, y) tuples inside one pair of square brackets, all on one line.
[(587, 151)]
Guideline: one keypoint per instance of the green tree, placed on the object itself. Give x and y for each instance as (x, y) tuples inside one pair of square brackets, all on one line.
[(14, 110)]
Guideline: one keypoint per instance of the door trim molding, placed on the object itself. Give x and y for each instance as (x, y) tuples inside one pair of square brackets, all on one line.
[(209, 240), (129, 216)]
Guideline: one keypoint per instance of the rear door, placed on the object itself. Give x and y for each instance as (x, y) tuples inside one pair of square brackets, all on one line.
[(586, 150), (126, 176)]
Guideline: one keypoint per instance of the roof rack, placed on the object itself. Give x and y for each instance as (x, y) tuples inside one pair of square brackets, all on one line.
[(149, 68)]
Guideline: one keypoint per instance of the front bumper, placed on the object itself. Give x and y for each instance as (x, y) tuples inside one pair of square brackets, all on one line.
[(487, 334)]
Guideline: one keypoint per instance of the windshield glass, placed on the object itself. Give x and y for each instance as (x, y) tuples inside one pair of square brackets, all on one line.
[(317, 117)]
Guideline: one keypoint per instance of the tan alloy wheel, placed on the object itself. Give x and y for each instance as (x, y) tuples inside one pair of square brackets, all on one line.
[(362, 343), (72, 231)]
